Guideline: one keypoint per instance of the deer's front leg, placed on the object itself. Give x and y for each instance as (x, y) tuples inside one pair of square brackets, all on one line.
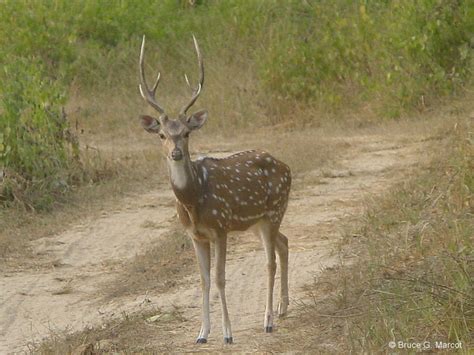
[(203, 254), (268, 237), (221, 249)]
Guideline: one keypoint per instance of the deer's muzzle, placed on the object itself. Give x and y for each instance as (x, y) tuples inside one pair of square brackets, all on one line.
[(177, 154)]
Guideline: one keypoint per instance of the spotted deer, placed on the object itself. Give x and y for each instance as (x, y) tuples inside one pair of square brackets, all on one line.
[(216, 196)]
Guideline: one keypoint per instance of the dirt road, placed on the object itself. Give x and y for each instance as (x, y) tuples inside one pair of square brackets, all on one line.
[(38, 303)]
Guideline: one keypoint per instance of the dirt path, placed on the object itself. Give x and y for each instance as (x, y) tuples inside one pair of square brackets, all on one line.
[(35, 304)]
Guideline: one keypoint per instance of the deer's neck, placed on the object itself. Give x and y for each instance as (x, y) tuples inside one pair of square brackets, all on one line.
[(184, 181)]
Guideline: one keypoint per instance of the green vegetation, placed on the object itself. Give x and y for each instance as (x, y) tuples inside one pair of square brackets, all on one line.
[(395, 52), (264, 59), (35, 144), (394, 55)]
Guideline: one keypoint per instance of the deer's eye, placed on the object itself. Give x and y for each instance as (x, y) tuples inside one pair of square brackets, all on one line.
[(162, 136), (186, 135)]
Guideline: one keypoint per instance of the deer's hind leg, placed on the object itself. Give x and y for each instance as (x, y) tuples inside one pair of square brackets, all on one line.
[(269, 233), (281, 244)]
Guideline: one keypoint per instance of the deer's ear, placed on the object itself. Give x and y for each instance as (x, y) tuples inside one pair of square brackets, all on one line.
[(150, 124), (196, 120)]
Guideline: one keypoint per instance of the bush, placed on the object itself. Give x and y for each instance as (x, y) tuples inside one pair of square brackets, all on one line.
[(396, 55), (36, 147)]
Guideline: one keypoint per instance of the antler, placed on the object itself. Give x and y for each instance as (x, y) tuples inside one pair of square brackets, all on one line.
[(147, 94), (197, 90)]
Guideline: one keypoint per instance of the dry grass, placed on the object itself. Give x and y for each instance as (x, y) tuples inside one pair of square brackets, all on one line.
[(161, 268), (412, 276), (64, 290), (139, 333)]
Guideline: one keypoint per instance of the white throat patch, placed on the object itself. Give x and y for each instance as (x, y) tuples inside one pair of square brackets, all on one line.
[(178, 173)]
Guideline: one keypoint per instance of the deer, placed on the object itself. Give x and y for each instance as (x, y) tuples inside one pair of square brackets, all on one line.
[(215, 196)]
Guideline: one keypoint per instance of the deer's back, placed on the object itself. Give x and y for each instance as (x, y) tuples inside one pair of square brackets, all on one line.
[(239, 190)]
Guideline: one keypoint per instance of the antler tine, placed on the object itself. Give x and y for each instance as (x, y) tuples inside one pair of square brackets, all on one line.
[(197, 90), (147, 94), (156, 83), (187, 81)]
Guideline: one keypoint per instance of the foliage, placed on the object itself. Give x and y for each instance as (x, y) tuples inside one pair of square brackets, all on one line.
[(395, 55), (400, 55), (36, 147)]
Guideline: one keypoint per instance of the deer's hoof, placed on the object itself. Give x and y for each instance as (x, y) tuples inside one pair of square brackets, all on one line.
[(201, 341), (268, 329), (228, 340)]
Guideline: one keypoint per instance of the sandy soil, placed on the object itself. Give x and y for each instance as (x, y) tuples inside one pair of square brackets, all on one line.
[(38, 303)]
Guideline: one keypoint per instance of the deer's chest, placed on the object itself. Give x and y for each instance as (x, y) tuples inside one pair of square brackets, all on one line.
[(198, 227)]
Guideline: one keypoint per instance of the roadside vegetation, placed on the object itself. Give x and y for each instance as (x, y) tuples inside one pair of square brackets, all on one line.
[(407, 270)]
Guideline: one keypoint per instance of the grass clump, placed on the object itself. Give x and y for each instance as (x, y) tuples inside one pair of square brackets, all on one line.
[(399, 55), (138, 333)]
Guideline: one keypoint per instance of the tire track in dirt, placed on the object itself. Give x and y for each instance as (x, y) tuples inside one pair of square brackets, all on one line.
[(35, 304)]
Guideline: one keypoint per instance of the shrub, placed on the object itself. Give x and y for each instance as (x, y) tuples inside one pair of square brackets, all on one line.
[(398, 55), (36, 147)]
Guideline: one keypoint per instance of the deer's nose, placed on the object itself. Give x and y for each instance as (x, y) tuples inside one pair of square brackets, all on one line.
[(177, 154)]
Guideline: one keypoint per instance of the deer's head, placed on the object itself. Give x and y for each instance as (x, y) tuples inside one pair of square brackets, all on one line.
[(174, 133)]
